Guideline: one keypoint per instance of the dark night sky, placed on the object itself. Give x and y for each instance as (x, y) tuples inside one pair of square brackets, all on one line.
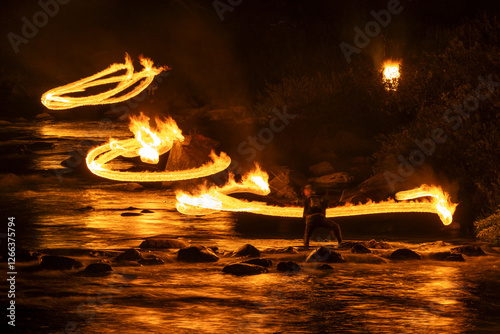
[(207, 55)]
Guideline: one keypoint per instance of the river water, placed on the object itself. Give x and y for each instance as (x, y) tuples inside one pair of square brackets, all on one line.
[(367, 294)]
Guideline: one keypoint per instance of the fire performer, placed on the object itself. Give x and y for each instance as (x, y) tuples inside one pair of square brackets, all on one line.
[(315, 216)]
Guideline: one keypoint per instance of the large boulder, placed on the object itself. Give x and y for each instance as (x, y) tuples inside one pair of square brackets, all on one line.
[(52, 262), (260, 262), (129, 255), (165, 243), (288, 267), (247, 250), (468, 250), (446, 256), (325, 255), (244, 269), (405, 254), (196, 254), (193, 152)]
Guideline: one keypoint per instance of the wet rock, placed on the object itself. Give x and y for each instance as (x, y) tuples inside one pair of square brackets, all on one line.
[(324, 254), (325, 267), (129, 255), (244, 269), (98, 253), (286, 250), (88, 208), (151, 261), (247, 250), (163, 243), (27, 256), (196, 254), (260, 262), (98, 268), (360, 249), (43, 116), (130, 208), (377, 244), (132, 186), (147, 211), (348, 244), (131, 214), (468, 250), (51, 262), (405, 254), (446, 256), (321, 168), (289, 266)]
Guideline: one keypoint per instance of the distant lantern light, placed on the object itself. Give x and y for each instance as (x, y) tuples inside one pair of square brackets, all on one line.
[(390, 71)]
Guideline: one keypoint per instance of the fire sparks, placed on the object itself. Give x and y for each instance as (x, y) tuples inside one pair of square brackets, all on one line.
[(391, 74), (59, 98), (216, 198)]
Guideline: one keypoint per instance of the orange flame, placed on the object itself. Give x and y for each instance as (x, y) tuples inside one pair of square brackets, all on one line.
[(58, 98), (149, 144), (154, 143), (213, 199), (391, 73)]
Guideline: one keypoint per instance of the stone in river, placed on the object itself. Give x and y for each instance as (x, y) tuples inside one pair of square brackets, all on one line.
[(52, 262), (260, 262), (288, 267), (244, 269), (469, 250), (247, 250), (43, 116), (446, 256), (88, 208), (129, 255), (98, 268), (325, 267), (405, 254), (164, 243), (360, 249), (196, 254), (324, 254), (147, 211)]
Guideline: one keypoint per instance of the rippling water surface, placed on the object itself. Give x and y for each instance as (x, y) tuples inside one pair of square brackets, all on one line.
[(368, 294)]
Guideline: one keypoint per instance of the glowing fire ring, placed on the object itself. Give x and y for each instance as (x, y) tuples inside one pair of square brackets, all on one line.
[(99, 156), (58, 98)]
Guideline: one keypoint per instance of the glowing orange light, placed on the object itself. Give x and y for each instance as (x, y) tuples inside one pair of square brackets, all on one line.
[(149, 143), (208, 200), (391, 74), (58, 98)]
